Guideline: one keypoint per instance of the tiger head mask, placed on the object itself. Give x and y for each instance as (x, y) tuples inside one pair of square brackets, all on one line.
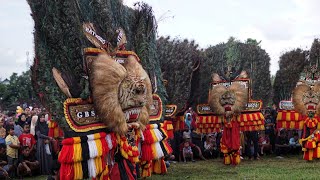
[(306, 99), (227, 100), (122, 94)]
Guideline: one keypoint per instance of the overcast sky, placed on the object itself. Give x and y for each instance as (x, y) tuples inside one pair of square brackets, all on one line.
[(280, 25)]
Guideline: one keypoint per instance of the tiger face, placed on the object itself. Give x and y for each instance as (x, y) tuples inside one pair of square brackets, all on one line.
[(132, 97), (121, 94), (228, 101), (306, 99)]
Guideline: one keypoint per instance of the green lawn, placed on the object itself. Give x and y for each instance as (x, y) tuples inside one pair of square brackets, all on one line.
[(293, 167)]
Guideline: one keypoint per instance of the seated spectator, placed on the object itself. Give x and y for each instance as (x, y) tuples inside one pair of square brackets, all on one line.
[(210, 148), (187, 151), (4, 167), (13, 146), (195, 149), (264, 143), (282, 144), (27, 139), (294, 144), (28, 164)]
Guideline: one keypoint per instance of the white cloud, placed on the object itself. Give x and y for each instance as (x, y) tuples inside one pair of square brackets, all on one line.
[(281, 25), (16, 37)]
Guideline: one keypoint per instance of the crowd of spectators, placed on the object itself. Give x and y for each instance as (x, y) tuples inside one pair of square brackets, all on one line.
[(26, 149), (188, 145)]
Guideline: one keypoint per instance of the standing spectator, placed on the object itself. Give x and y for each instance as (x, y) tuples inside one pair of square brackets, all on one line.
[(28, 164), (33, 123), (13, 146), (2, 132), (269, 124), (27, 112), (22, 119), (10, 116), (43, 152), (252, 136), (27, 139)]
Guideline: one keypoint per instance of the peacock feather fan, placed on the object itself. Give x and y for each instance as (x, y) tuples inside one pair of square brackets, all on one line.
[(59, 43)]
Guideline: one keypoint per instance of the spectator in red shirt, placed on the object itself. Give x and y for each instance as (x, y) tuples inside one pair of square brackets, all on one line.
[(27, 139)]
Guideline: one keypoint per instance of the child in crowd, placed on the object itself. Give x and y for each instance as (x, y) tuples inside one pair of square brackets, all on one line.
[(27, 162), (13, 146), (187, 151), (9, 123), (2, 132), (294, 144), (264, 143), (27, 139), (210, 149)]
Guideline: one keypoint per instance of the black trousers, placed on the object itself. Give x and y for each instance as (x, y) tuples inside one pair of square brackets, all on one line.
[(252, 136)]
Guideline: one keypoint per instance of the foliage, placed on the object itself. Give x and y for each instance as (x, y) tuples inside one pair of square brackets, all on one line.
[(179, 62), (241, 56), (291, 65), (315, 53), (59, 42), (17, 92)]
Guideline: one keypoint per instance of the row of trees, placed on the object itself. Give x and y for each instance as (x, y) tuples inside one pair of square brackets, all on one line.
[(187, 71), (184, 67), (18, 91), (293, 64)]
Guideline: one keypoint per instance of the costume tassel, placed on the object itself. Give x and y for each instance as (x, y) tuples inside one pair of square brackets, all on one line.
[(146, 167), (226, 159)]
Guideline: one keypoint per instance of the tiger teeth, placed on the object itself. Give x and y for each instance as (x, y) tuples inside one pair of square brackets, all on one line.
[(131, 112), (127, 116)]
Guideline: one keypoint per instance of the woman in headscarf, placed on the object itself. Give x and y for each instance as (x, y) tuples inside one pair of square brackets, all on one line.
[(43, 145), (18, 127)]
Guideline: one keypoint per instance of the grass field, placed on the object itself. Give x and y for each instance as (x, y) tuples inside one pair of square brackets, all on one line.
[(293, 167)]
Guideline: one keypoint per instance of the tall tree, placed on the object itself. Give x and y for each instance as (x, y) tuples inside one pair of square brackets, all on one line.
[(315, 53), (291, 64)]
